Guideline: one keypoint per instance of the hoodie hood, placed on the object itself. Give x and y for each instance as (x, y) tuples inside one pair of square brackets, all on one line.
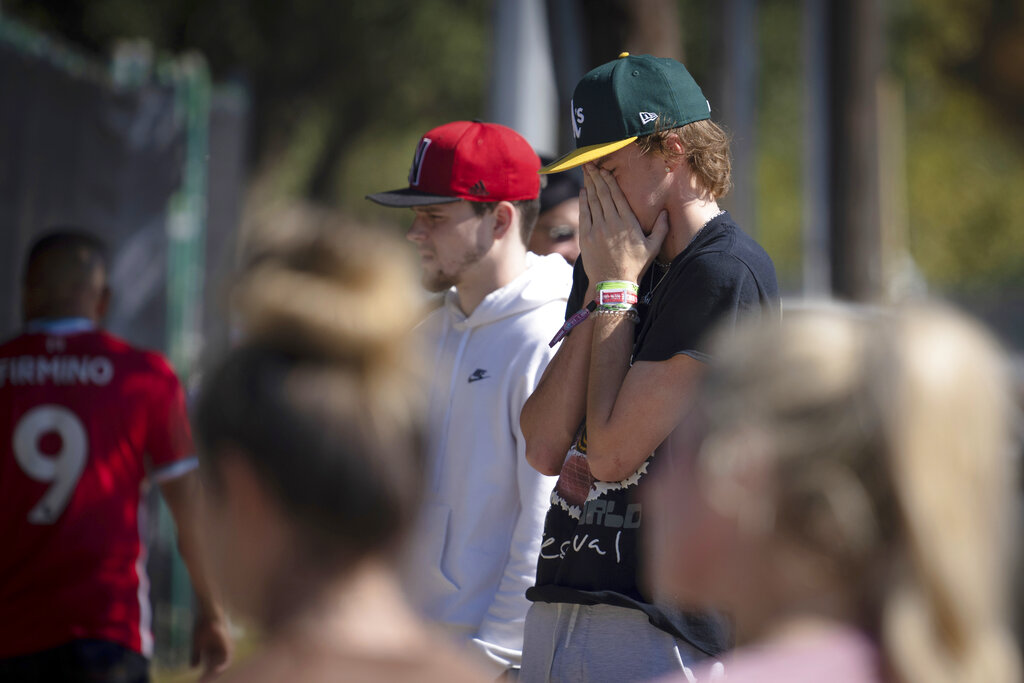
[(546, 279)]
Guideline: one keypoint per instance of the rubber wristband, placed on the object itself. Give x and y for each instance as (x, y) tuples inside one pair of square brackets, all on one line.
[(617, 284)]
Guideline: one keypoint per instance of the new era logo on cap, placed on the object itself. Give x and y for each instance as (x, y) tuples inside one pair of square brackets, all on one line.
[(647, 116), (468, 160)]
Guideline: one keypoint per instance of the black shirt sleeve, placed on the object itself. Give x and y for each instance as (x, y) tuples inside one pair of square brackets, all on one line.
[(713, 290), (580, 282)]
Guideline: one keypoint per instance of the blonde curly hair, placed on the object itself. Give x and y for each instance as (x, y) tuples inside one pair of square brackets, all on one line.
[(891, 438)]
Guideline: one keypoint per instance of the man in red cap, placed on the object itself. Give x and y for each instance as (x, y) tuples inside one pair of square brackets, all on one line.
[(473, 188)]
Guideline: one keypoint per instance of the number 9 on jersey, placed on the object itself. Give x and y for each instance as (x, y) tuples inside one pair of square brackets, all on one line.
[(63, 468)]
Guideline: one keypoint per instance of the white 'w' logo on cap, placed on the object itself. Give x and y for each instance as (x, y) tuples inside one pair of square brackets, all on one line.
[(417, 161), (647, 116)]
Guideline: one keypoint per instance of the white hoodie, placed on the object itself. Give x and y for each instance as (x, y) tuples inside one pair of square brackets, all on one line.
[(474, 554)]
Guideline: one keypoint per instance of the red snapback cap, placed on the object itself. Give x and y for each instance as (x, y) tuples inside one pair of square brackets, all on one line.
[(471, 160)]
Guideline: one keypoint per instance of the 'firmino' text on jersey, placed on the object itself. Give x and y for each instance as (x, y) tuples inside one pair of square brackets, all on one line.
[(56, 370)]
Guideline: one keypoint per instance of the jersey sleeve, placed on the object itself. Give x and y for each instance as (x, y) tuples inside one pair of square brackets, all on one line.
[(169, 437), (716, 289)]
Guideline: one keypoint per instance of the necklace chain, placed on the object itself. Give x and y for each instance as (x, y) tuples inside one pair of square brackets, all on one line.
[(666, 266), (664, 274)]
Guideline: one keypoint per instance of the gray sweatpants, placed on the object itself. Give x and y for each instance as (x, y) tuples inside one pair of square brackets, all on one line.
[(593, 643)]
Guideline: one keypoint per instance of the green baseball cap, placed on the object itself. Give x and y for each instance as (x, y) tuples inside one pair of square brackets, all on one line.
[(628, 98)]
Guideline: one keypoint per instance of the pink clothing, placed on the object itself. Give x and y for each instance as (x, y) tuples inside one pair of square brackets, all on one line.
[(839, 655)]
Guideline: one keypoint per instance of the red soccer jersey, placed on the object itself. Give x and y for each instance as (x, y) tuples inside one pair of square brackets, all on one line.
[(85, 422)]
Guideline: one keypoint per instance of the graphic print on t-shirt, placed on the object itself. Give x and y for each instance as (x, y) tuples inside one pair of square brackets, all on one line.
[(576, 487), (575, 480)]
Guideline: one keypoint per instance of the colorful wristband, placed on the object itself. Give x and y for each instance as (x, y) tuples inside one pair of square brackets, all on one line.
[(618, 299), (617, 284), (577, 317), (616, 295)]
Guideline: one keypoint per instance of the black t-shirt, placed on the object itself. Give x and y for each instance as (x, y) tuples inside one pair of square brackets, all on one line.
[(592, 547)]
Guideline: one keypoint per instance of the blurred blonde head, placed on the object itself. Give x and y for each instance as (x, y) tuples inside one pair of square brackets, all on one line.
[(876, 449), (317, 406)]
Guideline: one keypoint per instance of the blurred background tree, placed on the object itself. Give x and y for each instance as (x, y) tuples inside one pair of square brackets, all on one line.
[(962, 64), (342, 90)]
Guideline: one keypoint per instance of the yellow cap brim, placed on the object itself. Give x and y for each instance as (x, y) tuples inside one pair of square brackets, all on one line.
[(584, 155)]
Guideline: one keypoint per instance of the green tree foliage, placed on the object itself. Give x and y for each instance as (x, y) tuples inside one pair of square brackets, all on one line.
[(342, 89), (961, 66), (962, 63), (779, 124), (780, 138), (330, 79)]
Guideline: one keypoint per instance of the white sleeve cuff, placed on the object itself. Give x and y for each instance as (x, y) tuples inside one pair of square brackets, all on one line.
[(173, 470)]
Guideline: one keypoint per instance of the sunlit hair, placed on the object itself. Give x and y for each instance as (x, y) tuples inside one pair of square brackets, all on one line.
[(528, 210), (891, 438), (706, 149), (319, 397)]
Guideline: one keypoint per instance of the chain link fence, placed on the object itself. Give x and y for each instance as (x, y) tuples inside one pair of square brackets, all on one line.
[(125, 149)]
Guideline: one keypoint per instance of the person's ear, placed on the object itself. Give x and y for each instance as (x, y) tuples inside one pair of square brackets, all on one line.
[(505, 214), (674, 151)]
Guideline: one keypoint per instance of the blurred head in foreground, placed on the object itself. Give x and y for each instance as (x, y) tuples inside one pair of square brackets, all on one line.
[(312, 417), (311, 438), (851, 468)]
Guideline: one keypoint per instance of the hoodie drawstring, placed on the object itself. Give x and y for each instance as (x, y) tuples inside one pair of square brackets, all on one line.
[(439, 465), (572, 624)]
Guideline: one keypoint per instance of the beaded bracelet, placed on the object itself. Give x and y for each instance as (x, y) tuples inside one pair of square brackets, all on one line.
[(629, 313)]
